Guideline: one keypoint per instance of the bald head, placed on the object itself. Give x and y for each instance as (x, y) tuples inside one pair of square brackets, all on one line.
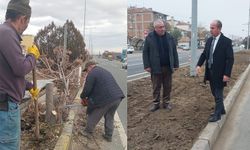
[(215, 27), (217, 23)]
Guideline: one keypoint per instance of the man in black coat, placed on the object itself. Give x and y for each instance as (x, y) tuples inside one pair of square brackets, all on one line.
[(219, 57), (103, 96), (160, 58)]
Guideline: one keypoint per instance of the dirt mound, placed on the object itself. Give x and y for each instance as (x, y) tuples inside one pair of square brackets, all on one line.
[(192, 104)]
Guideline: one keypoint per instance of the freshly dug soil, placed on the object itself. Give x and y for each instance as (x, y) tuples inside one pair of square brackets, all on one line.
[(79, 141), (192, 103), (49, 133)]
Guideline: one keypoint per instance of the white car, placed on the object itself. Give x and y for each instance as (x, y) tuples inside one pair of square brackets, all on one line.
[(184, 47), (130, 49)]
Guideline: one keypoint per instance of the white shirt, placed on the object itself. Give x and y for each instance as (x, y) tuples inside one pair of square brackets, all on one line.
[(216, 41)]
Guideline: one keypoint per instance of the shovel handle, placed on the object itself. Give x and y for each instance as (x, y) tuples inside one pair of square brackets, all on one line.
[(37, 130), (34, 78)]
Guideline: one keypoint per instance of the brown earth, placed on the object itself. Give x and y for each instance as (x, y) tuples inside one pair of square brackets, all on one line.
[(81, 142), (192, 104), (49, 133)]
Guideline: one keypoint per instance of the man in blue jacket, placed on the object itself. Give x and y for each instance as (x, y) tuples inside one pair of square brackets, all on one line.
[(160, 58), (103, 96)]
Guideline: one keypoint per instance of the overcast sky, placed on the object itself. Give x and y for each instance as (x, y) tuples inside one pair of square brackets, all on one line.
[(105, 20), (232, 13)]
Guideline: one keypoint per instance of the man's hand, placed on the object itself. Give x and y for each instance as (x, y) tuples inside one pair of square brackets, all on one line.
[(34, 92), (84, 102), (198, 70), (225, 78), (34, 51), (148, 69)]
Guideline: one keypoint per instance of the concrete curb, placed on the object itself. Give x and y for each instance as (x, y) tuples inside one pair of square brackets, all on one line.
[(65, 139), (210, 133), (121, 131)]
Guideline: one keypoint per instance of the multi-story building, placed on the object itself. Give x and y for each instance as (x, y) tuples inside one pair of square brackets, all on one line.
[(140, 19), (185, 28)]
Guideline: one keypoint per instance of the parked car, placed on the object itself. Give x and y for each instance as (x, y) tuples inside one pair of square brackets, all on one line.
[(184, 47), (130, 49), (201, 47)]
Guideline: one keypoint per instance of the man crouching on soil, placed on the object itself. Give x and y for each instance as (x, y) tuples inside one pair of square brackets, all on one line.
[(103, 96)]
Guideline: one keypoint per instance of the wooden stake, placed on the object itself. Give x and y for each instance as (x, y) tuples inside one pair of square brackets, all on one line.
[(37, 130)]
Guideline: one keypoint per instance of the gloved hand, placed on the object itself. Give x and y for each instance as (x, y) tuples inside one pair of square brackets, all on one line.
[(34, 92), (84, 102), (34, 51)]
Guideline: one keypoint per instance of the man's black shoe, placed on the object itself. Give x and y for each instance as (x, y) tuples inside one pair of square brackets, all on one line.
[(214, 118), (223, 112), (107, 138), (155, 107), (87, 134), (167, 106)]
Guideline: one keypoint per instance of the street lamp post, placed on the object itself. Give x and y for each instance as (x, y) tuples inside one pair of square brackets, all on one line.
[(248, 27), (193, 38), (84, 19)]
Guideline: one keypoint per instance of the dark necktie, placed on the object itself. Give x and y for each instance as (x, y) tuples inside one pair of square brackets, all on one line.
[(210, 60)]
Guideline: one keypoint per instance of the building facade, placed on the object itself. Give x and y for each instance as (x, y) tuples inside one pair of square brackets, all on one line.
[(140, 19)]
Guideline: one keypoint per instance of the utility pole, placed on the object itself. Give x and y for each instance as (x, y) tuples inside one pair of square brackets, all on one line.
[(248, 27), (193, 38), (90, 42), (65, 42), (91, 47), (84, 19)]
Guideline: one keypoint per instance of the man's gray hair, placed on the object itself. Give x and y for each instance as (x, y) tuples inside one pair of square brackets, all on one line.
[(219, 24), (158, 21), (89, 63)]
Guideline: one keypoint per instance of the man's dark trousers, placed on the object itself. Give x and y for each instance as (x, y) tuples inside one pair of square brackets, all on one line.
[(108, 111), (165, 79), (218, 96)]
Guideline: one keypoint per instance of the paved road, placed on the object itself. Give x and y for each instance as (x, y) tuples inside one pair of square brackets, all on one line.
[(135, 64), (235, 134)]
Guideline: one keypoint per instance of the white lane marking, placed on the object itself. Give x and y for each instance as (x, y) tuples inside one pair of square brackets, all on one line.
[(121, 131), (136, 64), (146, 74), (138, 74)]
